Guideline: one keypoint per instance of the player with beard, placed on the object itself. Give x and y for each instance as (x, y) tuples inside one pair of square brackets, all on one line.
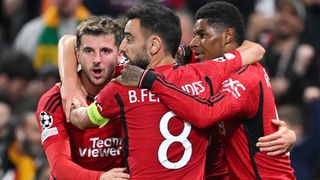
[(137, 49), (242, 104), (157, 143)]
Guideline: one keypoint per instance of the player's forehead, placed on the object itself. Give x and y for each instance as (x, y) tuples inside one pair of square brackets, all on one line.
[(133, 28), (103, 40), (201, 25)]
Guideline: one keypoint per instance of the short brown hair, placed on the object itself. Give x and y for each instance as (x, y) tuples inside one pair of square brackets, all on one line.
[(99, 25)]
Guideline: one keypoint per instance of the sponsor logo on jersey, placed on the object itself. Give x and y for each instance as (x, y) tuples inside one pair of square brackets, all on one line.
[(102, 147), (233, 86), (46, 120)]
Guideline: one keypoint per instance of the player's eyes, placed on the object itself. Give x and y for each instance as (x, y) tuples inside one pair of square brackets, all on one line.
[(201, 35), (88, 51), (129, 39), (105, 51)]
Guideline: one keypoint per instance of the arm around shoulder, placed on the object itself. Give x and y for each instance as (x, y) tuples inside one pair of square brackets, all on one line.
[(251, 52), (87, 117), (66, 50), (80, 118), (71, 89)]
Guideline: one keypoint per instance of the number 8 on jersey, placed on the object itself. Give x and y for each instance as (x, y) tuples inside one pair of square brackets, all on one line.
[(169, 139)]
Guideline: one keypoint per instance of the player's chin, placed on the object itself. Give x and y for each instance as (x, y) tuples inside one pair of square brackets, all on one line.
[(98, 81), (199, 58)]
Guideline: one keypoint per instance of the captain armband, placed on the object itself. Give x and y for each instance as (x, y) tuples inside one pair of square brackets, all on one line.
[(95, 116)]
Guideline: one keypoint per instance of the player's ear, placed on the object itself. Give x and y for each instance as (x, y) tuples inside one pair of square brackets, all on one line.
[(229, 36), (77, 51), (155, 44)]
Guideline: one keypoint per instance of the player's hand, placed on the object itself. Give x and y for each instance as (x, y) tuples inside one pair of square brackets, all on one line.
[(74, 115), (184, 55), (115, 173), (130, 76), (180, 56), (279, 142), (79, 117), (72, 93)]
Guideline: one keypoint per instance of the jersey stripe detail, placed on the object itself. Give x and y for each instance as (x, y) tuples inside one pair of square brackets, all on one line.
[(50, 99), (243, 69), (214, 99), (56, 107), (208, 80), (208, 101), (53, 102), (125, 129), (253, 128)]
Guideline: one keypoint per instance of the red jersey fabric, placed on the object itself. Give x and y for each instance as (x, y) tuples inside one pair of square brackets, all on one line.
[(158, 144), (246, 106), (73, 153)]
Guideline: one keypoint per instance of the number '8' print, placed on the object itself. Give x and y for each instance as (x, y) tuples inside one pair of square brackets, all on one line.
[(169, 139)]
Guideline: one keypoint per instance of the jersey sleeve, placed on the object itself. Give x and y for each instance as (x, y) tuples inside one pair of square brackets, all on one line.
[(62, 166), (51, 119), (221, 67), (105, 106), (55, 140), (237, 93)]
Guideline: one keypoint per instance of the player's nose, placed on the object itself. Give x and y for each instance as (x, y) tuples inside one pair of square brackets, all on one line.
[(123, 46), (194, 42)]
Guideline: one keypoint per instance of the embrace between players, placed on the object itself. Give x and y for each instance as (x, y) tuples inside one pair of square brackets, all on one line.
[(197, 121)]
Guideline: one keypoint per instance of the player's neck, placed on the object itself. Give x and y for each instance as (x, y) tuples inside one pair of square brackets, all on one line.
[(160, 61), (231, 47)]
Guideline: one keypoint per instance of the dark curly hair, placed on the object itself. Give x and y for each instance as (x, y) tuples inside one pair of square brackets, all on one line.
[(222, 15)]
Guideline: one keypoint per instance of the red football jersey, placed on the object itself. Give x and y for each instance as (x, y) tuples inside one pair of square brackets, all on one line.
[(246, 106), (98, 149), (158, 144)]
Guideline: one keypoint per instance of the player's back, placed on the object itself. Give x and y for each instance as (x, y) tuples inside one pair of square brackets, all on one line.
[(241, 134), (162, 146), (158, 145)]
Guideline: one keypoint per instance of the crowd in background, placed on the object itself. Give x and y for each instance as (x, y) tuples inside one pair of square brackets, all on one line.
[(30, 30)]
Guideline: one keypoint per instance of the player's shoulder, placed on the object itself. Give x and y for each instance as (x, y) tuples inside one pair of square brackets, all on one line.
[(113, 87), (250, 74), (250, 69), (49, 109), (51, 93), (178, 73), (50, 100), (165, 68)]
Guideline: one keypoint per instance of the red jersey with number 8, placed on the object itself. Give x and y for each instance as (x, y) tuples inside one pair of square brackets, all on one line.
[(157, 143)]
